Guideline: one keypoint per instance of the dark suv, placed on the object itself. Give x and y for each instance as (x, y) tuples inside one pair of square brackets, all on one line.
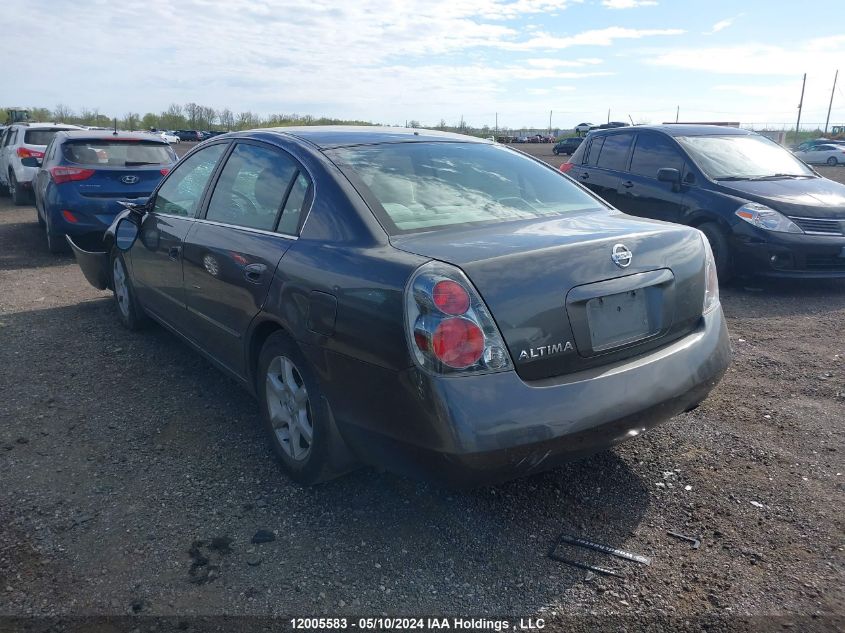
[(764, 211), (567, 145)]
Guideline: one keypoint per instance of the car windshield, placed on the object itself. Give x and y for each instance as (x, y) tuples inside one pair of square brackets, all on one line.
[(41, 136), (742, 157), (114, 153), (424, 186)]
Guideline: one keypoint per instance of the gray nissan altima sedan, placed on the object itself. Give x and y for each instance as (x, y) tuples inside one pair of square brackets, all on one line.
[(429, 303)]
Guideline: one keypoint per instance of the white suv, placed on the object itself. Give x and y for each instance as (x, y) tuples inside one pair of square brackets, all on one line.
[(22, 147)]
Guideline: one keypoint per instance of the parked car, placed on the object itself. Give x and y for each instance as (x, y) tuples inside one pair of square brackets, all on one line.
[(521, 139), (763, 210), (583, 128), (354, 280), (567, 145), (21, 151), (86, 175), (828, 154), (170, 138), (610, 126), (189, 135), (806, 145)]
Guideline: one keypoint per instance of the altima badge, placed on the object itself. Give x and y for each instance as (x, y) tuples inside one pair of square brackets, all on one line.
[(545, 350), (621, 255)]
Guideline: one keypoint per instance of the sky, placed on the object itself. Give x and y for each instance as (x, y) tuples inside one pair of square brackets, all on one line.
[(390, 61)]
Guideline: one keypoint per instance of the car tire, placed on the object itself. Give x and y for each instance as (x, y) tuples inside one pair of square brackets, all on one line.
[(555, 152), (721, 250), (292, 409), (129, 310), (832, 161), (38, 217), (56, 242), (18, 195)]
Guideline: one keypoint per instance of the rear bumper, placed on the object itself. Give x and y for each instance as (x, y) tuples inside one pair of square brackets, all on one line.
[(474, 430), (24, 175), (786, 255)]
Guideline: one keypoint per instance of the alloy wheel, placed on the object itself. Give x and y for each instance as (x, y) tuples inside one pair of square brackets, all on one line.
[(289, 408), (121, 291)]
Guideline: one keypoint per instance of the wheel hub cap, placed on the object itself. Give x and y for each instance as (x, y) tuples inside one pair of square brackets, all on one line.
[(289, 408)]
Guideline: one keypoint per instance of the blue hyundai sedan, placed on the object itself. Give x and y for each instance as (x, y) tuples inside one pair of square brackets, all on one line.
[(85, 175)]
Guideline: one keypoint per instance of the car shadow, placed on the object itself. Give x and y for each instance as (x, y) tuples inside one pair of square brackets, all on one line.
[(750, 299), (25, 246), (178, 451)]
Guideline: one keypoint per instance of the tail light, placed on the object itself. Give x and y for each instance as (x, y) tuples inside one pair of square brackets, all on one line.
[(164, 171), (68, 174), (566, 167), (711, 278), (69, 216), (450, 330), (25, 152)]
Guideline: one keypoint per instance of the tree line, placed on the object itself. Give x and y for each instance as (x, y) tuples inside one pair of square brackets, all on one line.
[(191, 116)]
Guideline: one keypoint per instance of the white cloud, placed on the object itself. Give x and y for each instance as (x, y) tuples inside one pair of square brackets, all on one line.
[(594, 37), (721, 25), (553, 62), (627, 4)]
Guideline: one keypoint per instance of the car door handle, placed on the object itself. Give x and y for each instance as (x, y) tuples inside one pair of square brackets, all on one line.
[(174, 252), (253, 272), (627, 184)]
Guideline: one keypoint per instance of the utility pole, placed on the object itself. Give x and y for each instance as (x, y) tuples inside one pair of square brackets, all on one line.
[(497, 124), (800, 106), (550, 122), (677, 114), (608, 115), (832, 90)]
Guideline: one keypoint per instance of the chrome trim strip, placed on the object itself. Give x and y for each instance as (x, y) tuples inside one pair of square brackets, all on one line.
[(246, 228)]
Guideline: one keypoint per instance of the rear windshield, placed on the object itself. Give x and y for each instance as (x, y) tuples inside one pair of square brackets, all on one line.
[(431, 185), (118, 153), (41, 136)]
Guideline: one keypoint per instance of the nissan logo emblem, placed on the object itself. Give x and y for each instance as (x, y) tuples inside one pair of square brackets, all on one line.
[(130, 180), (621, 255)]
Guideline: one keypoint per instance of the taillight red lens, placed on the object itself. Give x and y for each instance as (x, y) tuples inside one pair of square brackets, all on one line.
[(457, 342), (70, 217), (68, 174), (450, 297), (565, 167), (164, 171), (25, 152)]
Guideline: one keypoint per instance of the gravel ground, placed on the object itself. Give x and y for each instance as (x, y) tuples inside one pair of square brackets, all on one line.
[(135, 475)]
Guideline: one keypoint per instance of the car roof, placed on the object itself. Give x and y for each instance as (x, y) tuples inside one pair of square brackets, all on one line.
[(109, 134), (680, 129), (331, 136), (35, 126)]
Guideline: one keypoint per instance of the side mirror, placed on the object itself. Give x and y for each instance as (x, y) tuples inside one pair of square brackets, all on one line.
[(669, 174), (125, 234)]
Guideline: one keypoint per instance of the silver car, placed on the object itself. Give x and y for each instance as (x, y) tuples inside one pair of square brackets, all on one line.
[(823, 155), (21, 149)]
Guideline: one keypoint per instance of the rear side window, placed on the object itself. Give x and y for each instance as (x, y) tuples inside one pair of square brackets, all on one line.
[(10, 134), (109, 153), (251, 187), (653, 152), (614, 152), (295, 204), (40, 136), (594, 151)]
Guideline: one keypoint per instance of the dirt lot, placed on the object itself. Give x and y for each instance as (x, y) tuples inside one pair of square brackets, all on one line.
[(134, 476)]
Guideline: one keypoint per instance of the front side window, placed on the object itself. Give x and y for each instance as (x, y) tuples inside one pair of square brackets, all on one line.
[(422, 186), (614, 152), (653, 152), (742, 157), (251, 187), (181, 192)]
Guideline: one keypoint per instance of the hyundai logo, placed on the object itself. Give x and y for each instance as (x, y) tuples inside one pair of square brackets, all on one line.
[(130, 180), (621, 255)]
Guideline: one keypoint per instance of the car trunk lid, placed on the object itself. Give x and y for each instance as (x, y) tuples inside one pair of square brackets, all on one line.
[(560, 301)]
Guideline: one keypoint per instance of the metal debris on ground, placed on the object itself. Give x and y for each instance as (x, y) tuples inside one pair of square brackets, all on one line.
[(696, 543), (606, 549)]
